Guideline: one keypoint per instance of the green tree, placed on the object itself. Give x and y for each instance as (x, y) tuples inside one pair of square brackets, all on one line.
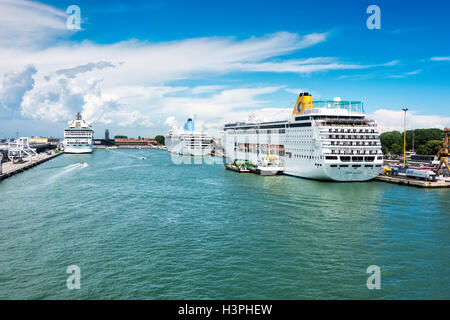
[(388, 139), (430, 148), (422, 149), (161, 140), (420, 136), (120, 137), (385, 150), (397, 148)]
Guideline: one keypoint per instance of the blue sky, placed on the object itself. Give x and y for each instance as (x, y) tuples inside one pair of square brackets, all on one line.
[(139, 67)]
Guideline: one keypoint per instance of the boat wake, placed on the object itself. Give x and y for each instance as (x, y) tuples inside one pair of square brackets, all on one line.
[(125, 167), (67, 169), (137, 157)]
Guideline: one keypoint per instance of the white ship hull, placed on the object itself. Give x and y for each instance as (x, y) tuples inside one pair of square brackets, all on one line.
[(78, 149), (327, 173), (184, 150), (318, 169)]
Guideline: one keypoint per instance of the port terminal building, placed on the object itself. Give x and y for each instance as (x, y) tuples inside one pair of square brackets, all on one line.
[(124, 143), (133, 143)]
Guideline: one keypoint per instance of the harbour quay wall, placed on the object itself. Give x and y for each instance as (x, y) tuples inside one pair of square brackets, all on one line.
[(413, 182), (9, 169)]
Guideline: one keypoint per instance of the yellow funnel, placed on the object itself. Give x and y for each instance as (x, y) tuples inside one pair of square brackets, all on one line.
[(304, 101)]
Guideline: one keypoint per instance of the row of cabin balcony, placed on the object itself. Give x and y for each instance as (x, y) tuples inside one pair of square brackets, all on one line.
[(355, 152), (343, 137), (351, 130), (354, 144)]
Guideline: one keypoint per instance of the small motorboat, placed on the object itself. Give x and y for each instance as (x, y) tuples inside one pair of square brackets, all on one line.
[(269, 171), (83, 164)]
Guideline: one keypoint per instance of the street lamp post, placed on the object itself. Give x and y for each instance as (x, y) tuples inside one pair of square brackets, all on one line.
[(404, 140)]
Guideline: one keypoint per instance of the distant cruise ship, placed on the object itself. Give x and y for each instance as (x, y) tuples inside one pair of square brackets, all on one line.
[(78, 136), (324, 140), (187, 141)]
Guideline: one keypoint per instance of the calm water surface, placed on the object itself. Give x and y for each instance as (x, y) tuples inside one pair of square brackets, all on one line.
[(151, 229)]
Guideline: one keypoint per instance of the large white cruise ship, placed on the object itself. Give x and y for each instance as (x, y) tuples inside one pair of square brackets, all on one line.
[(78, 136), (324, 140), (187, 141)]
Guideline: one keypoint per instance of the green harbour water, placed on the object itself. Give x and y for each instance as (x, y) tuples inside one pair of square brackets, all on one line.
[(153, 229)]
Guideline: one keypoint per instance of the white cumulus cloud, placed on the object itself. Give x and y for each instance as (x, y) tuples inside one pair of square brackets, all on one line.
[(25, 23), (390, 120), (12, 90)]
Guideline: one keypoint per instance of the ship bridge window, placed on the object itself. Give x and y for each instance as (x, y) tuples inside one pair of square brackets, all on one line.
[(303, 124), (301, 118)]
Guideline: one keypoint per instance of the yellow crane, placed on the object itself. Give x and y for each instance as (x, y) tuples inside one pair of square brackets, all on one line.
[(404, 140), (443, 152)]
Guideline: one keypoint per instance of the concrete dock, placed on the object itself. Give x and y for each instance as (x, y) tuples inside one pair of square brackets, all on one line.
[(9, 169), (413, 182)]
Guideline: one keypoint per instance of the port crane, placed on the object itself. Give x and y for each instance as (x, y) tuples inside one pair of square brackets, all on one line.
[(443, 152)]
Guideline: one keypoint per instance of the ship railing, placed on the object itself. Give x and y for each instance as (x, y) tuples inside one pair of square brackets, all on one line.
[(337, 137), (324, 123), (352, 106)]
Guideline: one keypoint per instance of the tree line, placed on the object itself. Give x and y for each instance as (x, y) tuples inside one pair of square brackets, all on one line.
[(422, 141)]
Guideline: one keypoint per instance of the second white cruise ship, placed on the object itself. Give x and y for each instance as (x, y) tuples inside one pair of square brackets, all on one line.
[(187, 141), (78, 136), (324, 140)]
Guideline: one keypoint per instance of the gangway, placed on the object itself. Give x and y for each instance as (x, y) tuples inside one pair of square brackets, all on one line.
[(20, 149)]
